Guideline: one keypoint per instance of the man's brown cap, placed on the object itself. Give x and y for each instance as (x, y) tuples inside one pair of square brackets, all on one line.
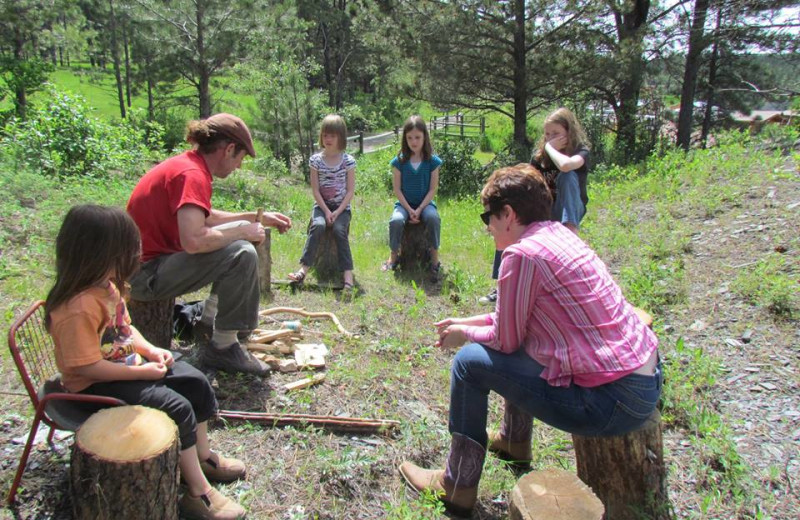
[(234, 128)]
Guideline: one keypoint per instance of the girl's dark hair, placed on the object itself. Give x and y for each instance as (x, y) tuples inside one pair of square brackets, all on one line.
[(415, 123), (93, 241), (522, 187), (208, 140)]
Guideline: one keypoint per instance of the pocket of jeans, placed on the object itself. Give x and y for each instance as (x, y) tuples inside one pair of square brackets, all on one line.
[(624, 420)]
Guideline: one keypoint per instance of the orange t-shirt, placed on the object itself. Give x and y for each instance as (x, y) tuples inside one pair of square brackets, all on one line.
[(90, 326)]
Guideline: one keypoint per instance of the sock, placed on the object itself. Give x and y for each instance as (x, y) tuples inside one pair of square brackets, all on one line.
[(224, 338)]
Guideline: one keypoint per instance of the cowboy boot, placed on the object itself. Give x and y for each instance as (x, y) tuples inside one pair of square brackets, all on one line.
[(513, 442), (457, 484)]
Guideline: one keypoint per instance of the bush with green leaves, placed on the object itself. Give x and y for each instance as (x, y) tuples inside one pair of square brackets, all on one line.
[(461, 174), (61, 137)]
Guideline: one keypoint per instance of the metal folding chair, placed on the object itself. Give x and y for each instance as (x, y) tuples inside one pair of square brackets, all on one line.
[(34, 354)]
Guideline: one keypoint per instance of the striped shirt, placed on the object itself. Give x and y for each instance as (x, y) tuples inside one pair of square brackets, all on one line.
[(557, 300), (332, 179)]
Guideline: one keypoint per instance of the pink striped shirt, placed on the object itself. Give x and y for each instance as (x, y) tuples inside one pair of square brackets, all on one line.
[(557, 300)]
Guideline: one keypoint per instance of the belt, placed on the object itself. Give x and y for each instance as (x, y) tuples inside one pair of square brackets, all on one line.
[(649, 367)]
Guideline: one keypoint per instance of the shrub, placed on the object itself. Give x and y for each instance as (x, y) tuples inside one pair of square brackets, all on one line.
[(60, 137), (461, 174)]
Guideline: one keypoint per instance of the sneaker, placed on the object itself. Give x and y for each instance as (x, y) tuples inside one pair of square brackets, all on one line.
[(233, 358), (489, 299), (222, 469), (211, 506)]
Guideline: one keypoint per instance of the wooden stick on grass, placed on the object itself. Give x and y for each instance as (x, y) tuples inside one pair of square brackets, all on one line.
[(307, 314)]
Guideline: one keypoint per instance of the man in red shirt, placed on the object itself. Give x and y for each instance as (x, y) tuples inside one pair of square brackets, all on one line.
[(187, 244)]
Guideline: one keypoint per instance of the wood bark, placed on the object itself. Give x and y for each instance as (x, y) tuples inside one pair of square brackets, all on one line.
[(626, 472), (553, 494), (326, 264), (415, 249), (125, 465), (154, 320), (697, 44), (265, 265)]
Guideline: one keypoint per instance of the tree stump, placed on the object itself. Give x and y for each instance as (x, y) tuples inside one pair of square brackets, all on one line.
[(125, 465), (415, 249), (627, 472), (154, 320), (265, 265), (553, 494), (326, 264)]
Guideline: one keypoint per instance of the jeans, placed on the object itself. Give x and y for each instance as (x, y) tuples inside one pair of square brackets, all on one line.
[(184, 394), (232, 272), (341, 231), (611, 409), (568, 206), (397, 223)]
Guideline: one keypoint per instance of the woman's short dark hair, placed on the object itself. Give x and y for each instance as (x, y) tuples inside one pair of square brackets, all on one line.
[(522, 187)]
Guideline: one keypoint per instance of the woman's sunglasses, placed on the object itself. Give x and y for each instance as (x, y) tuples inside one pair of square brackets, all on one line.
[(486, 215)]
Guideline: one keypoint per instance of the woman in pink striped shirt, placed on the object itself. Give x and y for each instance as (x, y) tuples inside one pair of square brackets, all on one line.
[(563, 345)]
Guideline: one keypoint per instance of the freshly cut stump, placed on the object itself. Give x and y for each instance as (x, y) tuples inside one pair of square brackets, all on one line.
[(627, 472), (553, 494), (154, 320), (125, 465), (326, 264)]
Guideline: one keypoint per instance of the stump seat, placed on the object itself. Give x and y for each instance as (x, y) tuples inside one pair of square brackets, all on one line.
[(154, 320), (326, 264), (415, 248), (125, 465)]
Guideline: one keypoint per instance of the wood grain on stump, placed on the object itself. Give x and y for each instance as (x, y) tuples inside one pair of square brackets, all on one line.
[(154, 320), (626, 472), (553, 494), (415, 249), (125, 465)]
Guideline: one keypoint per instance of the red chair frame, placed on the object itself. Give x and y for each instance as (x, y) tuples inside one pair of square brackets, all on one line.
[(34, 354)]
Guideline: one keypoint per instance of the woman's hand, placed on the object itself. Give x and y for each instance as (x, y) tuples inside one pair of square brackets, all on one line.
[(413, 216), (151, 371), (441, 325), (559, 143), (160, 356), (451, 336)]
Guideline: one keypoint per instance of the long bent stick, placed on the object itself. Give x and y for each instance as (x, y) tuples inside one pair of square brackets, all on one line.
[(333, 423), (303, 312)]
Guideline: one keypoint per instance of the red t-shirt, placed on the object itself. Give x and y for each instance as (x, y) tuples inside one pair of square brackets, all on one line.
[(156, 199)]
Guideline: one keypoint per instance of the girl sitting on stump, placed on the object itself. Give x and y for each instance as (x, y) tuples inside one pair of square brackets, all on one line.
[(563, 345), (99, 352), (415, 179)]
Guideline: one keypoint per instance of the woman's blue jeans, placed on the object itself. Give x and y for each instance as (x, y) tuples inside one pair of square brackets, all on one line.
[(568, 208), (397, 223), (611, 409)]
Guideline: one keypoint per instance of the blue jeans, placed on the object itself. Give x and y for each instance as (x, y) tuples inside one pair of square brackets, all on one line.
[(568, 206), (341, 231), (397, 223), (611, 409)]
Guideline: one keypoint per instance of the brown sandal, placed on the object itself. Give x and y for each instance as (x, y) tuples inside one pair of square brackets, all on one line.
[(298, 276)]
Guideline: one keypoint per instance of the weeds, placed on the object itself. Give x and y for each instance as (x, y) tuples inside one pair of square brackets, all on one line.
[(771, 283)]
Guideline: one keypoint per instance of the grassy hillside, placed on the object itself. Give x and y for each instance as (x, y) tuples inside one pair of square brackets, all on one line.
[(643, 222)]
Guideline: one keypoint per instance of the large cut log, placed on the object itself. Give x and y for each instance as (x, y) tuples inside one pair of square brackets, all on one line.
[(553, 494), (125, 465), (326, 264), (626, 472), (415, 248), (154, 320)]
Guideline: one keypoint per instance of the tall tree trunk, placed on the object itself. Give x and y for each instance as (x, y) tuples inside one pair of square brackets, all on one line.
[(631, 27), (697, 42), (712, 81), (521, 144), (127, 63), (151, 110), (115, 57), (203, 74), (21, 97)]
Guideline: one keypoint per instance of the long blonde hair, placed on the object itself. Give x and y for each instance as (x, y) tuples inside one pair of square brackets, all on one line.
[(576, 136)]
